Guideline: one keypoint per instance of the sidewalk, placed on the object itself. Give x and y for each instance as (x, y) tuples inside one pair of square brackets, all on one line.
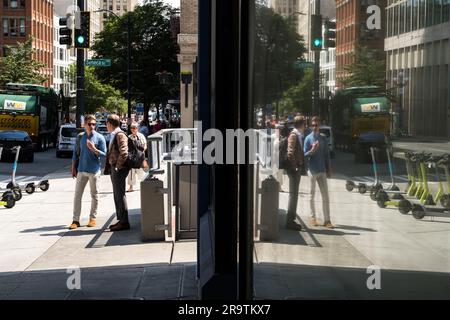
[(437, 146), (37, 250), (318, 263)]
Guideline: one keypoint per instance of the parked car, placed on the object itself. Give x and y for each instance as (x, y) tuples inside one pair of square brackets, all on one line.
[(327, 132), (12, 138), (67, 139)]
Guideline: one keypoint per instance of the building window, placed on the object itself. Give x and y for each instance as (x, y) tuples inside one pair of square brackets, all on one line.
[(445, 10), (13, 27), (5, 3), (422, 16), (13, 4), (22, 3), (22, 27)]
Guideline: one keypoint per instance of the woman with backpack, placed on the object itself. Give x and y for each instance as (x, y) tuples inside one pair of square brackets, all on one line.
[(135, 176)]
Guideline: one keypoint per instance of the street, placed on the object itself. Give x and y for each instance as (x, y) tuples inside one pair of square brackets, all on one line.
[(43, 164)]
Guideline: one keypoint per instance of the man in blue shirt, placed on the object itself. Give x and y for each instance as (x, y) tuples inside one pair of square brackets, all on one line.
[(319, 169), (86, 167)]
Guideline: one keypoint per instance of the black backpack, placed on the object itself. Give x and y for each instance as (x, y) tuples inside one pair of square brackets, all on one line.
[(136, 154), (283, 154)]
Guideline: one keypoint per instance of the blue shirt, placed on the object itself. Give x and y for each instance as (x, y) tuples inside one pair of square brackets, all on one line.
[(89, 162), (318, 161)]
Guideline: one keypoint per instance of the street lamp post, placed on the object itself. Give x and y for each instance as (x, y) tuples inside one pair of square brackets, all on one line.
[(400, 81)]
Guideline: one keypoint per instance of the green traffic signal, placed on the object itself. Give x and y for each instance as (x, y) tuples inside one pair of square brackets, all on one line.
[(317, 42), (80, 40)]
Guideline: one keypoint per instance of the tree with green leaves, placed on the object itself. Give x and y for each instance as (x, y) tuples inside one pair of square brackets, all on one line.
[(19, 66), (153, 51), (278, 47), (368, 69), (97, 95), (298, 98)]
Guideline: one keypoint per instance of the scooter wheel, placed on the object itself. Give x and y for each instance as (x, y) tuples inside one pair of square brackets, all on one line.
[(30, 188), (382, 198), (362, 188), (350, 185), (374, 194), (445, 201), (381, 204), (17, 194), (9, 199), (418, 212), (404, 206), (44, 186)]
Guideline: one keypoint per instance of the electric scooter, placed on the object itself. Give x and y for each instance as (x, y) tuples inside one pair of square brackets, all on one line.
[(398, 200), (29, 187), (393, 190), (429, 206), (362, 186), (445, 164), (12, 187)]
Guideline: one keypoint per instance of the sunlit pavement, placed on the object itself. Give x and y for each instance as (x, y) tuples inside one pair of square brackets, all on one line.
[(37, 250), (322, 263), (38, 254)]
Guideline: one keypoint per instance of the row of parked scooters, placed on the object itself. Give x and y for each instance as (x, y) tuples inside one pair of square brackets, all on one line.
[(417, 197), (13, 190)]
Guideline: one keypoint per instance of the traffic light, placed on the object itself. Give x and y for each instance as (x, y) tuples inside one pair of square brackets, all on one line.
[(82, 33), (316, 32), (66, 30), (329, 35)]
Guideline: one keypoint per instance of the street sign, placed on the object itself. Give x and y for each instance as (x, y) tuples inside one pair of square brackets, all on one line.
[(139, 108), (98, 63), (303, 64)]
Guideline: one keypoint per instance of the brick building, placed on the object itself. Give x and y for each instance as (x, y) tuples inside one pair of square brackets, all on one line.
[(187, 40), (352, 29), (21, 19)]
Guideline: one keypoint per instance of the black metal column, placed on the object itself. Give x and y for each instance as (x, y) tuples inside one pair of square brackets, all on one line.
[(80, 78), (316, 86), (245, 281)]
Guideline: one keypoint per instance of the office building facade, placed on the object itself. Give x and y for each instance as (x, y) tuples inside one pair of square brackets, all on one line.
[(418, 58)]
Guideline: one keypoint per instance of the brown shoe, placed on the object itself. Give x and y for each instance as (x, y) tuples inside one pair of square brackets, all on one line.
[(328, 225), (120, 227), (91, 223), (74, 225), (313, 222), (114, 224)]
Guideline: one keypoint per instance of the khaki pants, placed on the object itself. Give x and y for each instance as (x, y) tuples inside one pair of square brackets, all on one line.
[(135, 176), (321, 179), (82, 179)]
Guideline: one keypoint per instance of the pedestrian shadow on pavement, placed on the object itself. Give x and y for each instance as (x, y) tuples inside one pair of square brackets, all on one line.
[(354, 228), (45, 229)]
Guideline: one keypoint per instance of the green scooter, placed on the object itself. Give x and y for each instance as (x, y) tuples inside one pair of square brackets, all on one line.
[(428, 205)]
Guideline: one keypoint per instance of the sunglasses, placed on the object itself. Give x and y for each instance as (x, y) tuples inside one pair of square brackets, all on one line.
[(92, 124), (314, 125)]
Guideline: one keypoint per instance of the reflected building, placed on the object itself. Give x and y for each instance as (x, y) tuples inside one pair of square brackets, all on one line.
[(418, 56), (352, 30)]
